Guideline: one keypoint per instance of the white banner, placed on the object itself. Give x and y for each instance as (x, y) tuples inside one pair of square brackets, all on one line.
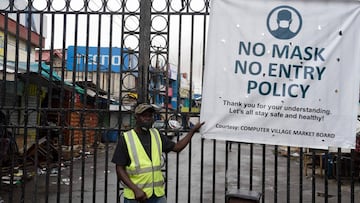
[(282, 72)]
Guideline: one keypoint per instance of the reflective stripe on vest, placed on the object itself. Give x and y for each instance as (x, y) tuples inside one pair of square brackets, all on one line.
[(143, 172), (148, 185)]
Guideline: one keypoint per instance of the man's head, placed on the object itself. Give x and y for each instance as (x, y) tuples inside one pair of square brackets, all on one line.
[(284, 18), (144, 115)]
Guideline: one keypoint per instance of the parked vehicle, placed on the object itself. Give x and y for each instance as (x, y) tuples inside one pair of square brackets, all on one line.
[(170, 128)]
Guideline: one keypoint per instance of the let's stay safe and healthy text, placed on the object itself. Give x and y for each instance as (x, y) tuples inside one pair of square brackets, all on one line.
[(276, 111)]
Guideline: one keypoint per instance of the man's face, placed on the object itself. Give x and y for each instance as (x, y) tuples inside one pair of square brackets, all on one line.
[(284, 23), (145, 120)]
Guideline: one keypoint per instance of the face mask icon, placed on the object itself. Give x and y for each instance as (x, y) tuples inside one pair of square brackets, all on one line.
[(284, 22)]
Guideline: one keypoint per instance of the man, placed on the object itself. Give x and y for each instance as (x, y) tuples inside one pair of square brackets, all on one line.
[(138, 157)]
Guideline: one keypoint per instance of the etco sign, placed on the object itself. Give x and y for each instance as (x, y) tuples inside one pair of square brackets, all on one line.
[(82, 58)]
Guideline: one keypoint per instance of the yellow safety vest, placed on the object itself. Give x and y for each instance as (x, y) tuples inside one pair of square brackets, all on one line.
[(143, 172)]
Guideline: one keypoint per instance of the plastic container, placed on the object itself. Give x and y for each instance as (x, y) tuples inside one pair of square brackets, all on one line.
[(110, 136)]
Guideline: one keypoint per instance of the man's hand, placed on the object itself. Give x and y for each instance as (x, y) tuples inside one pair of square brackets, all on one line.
[(123, 175), (180, 145), (197, 126), (140, 195)]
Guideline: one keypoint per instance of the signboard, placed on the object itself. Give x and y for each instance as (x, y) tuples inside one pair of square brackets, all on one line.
[(173, 72), (282, 72), (87, 58)]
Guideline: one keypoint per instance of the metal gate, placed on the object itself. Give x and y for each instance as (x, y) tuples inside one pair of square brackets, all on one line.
[(71, 72)]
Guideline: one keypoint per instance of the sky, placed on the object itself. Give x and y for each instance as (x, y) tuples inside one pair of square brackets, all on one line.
[(92, 31)]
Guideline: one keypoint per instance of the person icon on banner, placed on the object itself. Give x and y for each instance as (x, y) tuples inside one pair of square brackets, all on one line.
[(283, 20)]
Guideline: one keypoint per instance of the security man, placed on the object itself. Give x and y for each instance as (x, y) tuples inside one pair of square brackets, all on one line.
[(138, 157)]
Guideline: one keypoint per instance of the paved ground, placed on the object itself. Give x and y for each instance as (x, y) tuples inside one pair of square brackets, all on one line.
[(179, 178)]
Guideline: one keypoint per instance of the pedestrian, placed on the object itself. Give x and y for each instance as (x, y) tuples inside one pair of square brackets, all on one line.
[(138, 157)]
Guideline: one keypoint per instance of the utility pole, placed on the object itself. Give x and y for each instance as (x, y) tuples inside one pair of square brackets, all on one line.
[(144, 50)]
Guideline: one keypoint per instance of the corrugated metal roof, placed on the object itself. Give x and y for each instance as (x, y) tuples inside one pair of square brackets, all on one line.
[(39, 70)]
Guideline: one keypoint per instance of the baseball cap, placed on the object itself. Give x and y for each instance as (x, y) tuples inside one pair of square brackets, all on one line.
[(144, 107)]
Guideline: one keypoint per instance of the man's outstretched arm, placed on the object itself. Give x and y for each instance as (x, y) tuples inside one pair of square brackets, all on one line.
[(183, 142)]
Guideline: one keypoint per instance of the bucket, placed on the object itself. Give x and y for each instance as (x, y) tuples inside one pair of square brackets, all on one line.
[(110, 136)]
